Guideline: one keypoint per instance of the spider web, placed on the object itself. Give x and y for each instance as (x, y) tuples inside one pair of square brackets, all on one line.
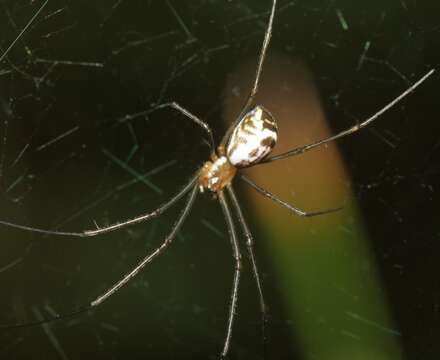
[(81, 147)]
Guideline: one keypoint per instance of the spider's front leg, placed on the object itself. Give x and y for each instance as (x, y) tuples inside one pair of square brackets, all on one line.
[(353, 129), (87, 233), (192, 117)]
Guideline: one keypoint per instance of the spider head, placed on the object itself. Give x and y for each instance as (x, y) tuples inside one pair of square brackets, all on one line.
[(253, 138)]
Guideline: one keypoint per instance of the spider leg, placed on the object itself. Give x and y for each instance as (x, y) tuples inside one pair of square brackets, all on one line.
[(86, 233), (146, 260), (47, 320), (290, 207), (237, 272), (127, 277), (190, 116), (250, 248), (352, 129), (258, 72)]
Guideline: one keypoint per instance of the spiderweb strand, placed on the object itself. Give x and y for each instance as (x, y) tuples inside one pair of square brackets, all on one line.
[(23, 31)]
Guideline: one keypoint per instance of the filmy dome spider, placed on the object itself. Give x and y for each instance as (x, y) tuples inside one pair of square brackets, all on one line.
[(247, 142)]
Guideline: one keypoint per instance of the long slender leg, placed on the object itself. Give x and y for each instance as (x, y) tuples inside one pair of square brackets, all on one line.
[(250, 248), (190, 116), (46, 320), (352, 129), (237, 257), (290, 207), (127, 277), (161, 209), (258, 72)]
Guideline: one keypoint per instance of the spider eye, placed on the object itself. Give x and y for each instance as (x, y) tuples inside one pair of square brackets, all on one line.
[(253, 138)]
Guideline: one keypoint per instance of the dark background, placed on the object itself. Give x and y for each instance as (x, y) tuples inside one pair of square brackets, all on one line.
[(85, 69)]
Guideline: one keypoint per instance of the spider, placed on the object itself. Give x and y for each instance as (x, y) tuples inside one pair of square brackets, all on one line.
[(248, 141)]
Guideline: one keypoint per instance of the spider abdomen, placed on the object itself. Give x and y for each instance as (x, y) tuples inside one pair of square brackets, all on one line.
[(253, 138)]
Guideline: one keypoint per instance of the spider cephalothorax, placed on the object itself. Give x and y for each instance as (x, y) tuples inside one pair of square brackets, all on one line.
[(251, 141)]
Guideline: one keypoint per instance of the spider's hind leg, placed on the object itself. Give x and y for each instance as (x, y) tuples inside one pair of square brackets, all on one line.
[(126, 278), (288, 206), (237, 271), (252, 258), (150, 257)]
